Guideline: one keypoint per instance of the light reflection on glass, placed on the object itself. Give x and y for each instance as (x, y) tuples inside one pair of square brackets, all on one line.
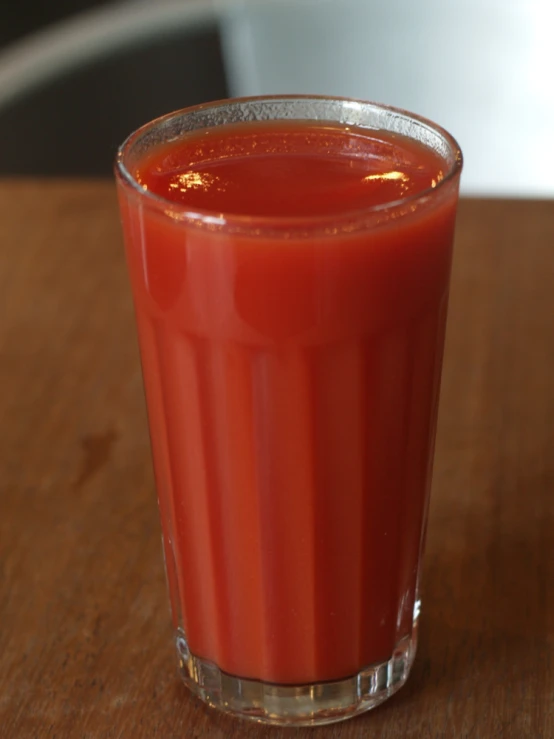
[(440, 176), (196, 181), (140, 182), (387, 176)]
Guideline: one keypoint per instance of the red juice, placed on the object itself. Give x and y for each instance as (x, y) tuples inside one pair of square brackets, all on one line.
[(291, 349)]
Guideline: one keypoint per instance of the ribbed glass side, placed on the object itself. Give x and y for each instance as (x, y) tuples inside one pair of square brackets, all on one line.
[(293, 488), (313, 704)]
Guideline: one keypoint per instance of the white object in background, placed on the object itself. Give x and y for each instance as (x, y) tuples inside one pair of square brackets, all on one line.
[(483, 70), (91, 35)]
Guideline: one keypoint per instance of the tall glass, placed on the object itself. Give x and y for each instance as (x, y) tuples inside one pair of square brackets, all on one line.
[(292, 373)]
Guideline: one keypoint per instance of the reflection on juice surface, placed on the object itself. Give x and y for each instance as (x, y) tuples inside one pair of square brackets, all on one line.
[(292, 385)]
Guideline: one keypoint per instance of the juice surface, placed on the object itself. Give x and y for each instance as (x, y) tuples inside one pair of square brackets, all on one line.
[(292, 386), (288, 170)]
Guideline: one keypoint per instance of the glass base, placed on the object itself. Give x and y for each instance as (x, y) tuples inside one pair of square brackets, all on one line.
[(297, 705)]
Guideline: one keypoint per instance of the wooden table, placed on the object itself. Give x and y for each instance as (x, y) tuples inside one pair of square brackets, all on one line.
[(85, 642)]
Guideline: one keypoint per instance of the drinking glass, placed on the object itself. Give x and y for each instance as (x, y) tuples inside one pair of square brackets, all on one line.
[(292, 371)]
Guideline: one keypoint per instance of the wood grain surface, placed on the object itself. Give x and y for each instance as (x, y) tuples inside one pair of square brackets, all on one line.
[(85, 642)]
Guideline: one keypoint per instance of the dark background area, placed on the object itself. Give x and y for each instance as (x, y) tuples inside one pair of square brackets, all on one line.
[(73, 124), (20, 17)]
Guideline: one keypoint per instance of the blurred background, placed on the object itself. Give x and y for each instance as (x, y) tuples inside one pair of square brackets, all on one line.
[(76, 76)]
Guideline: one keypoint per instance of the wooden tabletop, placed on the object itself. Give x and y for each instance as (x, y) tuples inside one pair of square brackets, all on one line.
[(86, 648)]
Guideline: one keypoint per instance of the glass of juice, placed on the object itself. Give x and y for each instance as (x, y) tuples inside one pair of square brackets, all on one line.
[(289, 259)]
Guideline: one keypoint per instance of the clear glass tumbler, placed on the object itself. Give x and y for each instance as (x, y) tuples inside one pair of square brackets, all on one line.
[(292, 370)]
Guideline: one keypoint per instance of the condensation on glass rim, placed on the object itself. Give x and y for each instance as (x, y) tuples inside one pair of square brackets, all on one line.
[(344, 111)]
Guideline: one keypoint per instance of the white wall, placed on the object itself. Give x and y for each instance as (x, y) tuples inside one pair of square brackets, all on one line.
[(483, 69)]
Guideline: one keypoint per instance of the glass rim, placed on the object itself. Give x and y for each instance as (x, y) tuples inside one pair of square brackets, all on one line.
[(252, 223)]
